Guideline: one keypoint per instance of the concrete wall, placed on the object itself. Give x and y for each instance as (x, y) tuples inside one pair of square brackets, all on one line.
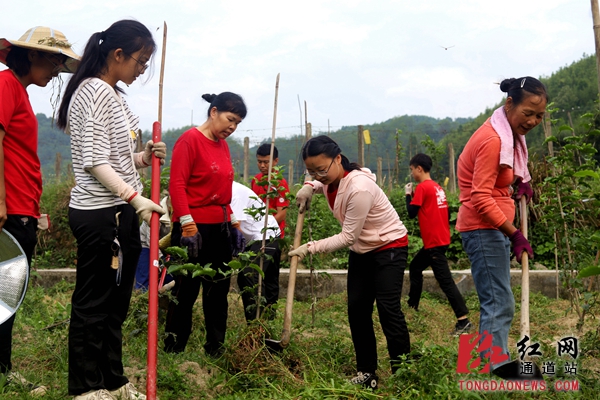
[(331, 281)]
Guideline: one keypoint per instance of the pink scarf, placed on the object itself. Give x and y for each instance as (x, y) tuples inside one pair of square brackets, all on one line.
[(513, 150)]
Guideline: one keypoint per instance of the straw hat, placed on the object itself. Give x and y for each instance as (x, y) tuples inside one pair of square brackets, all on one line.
[(43, 39)]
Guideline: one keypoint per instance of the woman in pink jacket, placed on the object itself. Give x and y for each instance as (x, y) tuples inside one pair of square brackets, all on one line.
[(378, 245)]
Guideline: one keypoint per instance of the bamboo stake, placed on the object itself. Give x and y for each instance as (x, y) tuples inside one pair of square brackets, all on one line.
[(596, 19), (246, 158), (269, 188)]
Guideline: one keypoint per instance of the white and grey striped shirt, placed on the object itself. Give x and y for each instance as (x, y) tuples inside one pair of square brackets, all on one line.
[(101, 126)]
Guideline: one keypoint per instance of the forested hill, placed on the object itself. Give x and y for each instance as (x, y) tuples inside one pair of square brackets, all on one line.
[(573, 89)]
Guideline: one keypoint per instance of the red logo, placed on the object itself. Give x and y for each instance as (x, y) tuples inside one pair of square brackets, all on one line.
[(471, 349)]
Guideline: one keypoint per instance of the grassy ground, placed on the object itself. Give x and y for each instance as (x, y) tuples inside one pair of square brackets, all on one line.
[(317, 363)]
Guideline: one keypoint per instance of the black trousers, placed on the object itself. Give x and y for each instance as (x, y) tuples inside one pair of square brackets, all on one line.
[(100, 303), (248, 278), (436, 258), (376, 277), (216, 249), (23, 229)]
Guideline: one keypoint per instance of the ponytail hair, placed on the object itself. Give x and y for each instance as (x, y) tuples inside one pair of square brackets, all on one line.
[(226, 102), (128, 35), (326, 146), (520, 88)]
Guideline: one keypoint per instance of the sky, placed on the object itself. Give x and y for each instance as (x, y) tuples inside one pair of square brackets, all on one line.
[(352, 61)]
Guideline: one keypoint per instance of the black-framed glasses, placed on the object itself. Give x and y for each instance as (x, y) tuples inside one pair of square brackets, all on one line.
[(56, 67), (144, 66), (322, 174)]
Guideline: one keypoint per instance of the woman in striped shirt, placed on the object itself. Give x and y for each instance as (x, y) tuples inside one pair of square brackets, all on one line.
[(103, 206)]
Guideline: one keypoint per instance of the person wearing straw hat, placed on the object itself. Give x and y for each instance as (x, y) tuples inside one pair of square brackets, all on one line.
[(34, 59), (103, 205)]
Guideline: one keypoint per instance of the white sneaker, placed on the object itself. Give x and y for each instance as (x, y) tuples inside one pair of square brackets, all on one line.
[(101, 394), (17, 378), (128, 392)]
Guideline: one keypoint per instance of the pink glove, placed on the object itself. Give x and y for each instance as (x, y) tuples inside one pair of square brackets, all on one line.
[(523, 188), (520, 244)]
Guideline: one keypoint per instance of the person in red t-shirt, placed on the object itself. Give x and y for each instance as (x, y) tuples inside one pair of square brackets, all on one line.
[(280, 203), (429, 203), (35, 59), (200, 187)]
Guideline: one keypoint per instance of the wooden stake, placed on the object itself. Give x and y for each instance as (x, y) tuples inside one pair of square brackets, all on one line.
[(361, 147), (596, 19), (379, 171), (246, 158), (269, 188), (452, 169), (524, 272)]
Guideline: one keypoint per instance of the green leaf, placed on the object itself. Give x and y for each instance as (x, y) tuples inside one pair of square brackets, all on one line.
[(592, 270), (235, 264), (177, 251), (563, 128), (257, 269), (205, 271), (177, 269), (588, 173)]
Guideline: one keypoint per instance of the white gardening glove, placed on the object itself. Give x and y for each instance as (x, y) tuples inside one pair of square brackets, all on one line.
[(158, 148), (408, 189), (145, 207), (301, 251), (303, 198)]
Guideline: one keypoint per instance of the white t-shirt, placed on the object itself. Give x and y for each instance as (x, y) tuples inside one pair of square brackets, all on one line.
[(243, 197), (102, 129)]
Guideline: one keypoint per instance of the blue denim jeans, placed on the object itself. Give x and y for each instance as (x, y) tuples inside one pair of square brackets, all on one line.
[(489, 253)]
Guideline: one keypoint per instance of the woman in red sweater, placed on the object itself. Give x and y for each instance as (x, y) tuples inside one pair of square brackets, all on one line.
[(200, 187), (494, 159)]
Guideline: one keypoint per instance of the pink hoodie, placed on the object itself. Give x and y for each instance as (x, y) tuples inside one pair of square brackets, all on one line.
[(368, 219)]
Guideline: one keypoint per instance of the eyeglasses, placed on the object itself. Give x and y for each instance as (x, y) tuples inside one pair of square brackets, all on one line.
[(144, 66), (322, 174), (56, 67)]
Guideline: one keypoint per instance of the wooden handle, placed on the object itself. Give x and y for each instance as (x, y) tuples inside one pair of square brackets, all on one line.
[(289, 304), (524, 272)]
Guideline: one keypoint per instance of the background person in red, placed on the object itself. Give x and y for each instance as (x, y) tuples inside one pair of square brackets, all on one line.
[(36, 58), (429, 203), (200, 188), (280, 203)]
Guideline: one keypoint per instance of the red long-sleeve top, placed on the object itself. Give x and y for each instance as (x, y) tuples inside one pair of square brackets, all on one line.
[(201, 178), (485, 187)]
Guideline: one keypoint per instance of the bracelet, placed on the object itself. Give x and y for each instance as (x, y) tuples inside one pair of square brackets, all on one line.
[(132, 196)]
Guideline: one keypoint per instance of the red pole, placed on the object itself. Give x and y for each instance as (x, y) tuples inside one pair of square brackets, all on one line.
[(153, 273), (154, 230)]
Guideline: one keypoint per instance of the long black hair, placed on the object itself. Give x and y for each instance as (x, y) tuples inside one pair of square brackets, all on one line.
[(520, 88), (128, 35), (228, 102), (18, 60), (327, 146)]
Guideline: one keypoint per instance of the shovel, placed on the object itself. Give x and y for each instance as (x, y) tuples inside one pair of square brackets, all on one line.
[(525, 285), (279, 345)]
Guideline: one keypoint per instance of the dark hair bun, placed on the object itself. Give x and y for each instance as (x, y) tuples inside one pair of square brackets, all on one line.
[(505, 84), (209, 97)]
